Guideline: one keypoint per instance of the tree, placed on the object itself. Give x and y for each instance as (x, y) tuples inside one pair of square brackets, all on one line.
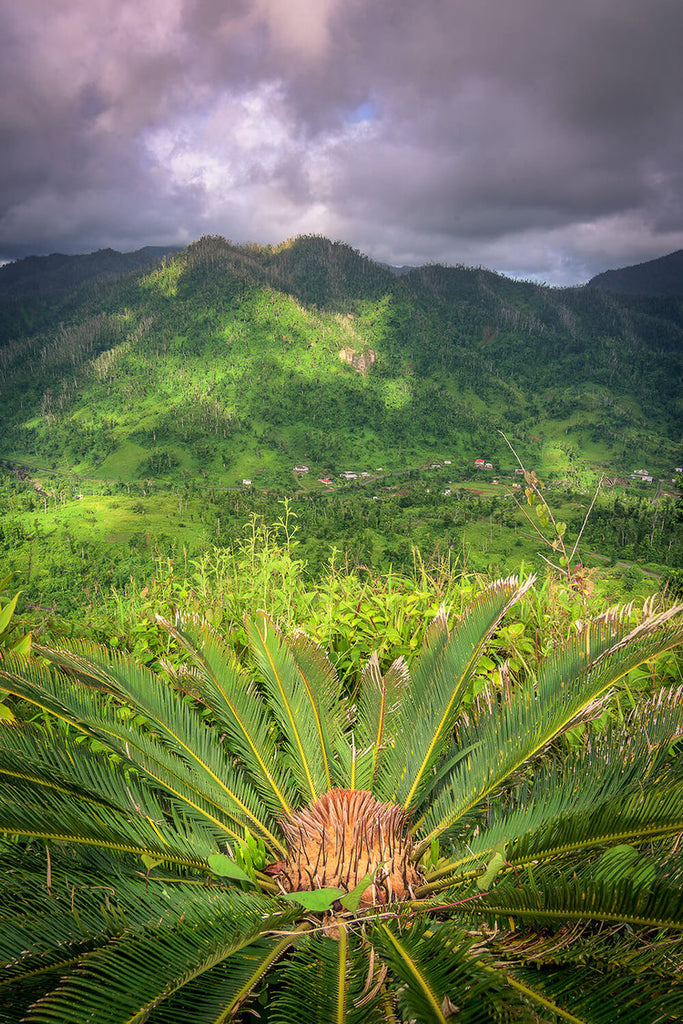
[(198, 847)]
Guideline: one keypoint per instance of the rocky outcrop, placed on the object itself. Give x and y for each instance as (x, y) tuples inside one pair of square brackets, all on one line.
[(360, 361)]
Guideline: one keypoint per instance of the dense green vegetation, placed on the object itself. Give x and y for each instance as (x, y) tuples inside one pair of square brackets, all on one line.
[(136, 402), (481, 832), (226, 362), (69, 551), (153, 416)]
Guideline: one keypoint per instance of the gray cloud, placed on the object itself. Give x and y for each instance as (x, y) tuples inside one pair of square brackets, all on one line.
[(540, 139)]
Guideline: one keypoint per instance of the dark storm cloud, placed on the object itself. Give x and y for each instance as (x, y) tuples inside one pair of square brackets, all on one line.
[(541, 139)]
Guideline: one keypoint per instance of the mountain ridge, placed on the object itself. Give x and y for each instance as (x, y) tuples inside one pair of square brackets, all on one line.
[(221, 358), (63, 272), (658, 277)]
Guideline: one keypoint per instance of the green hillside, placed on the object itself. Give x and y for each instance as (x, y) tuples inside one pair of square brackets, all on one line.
[(163, 409), (228, 362)]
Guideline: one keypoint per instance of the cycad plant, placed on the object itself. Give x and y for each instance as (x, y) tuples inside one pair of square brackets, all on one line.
[(206, 844)]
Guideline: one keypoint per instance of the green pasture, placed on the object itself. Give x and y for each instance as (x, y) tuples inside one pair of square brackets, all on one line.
[(111, 520)]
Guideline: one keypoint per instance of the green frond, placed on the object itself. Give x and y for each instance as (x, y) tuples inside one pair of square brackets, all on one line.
[(57, 816), (505, 737), (379, 702), (616, 888), (297, 706), (52, 911), (217, 996), (438, 683), (432, 968), (616, 788), (176, 747), (323, 687), (224, 687), (585, 995), (136, 972), (606, 949), (627, 819), (34, 682), (328, 981), (172, 717)]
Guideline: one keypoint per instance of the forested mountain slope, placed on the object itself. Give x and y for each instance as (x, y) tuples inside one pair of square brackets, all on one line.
[(228, 361), (663, 276), (39, 289)]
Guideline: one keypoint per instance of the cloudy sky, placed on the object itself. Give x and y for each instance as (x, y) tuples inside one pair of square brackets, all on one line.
[(542, 138)]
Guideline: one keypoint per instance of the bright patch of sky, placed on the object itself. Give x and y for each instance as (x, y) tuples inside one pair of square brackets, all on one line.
[(365, 112)]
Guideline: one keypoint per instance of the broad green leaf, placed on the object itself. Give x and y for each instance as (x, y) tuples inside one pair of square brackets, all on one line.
[(317, 900), (7, 612), (150, 862), (22, 646), (226, 868), (351, 900), (495, 865), (5, 713), (514, 629)]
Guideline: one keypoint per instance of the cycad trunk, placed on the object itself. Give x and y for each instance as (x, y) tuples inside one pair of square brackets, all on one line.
[(344, 836)]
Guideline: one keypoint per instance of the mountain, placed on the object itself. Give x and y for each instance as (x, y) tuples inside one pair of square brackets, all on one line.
[(663, 276), (36, 289), (58, 273), (224, 361)]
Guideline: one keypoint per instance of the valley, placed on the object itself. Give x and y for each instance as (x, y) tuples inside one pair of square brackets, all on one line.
[(155, 408)]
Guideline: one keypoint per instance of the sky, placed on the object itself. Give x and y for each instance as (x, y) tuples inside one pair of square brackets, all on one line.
[(540, 138)]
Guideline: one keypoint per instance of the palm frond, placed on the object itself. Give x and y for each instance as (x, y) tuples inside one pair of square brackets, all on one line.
[(584, 995), (226, 689), (379, 701), (606, 949), (616, 788), (432, 964), (297, 706), (135, 973), (438, 683), (183, 754), (646, 893), (227, 990), (507, 736), (323, 687), (58, 816), (333, 979), (52, 912)]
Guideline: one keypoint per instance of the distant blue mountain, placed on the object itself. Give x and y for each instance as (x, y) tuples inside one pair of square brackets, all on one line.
[(49, 276), (663, 276)]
